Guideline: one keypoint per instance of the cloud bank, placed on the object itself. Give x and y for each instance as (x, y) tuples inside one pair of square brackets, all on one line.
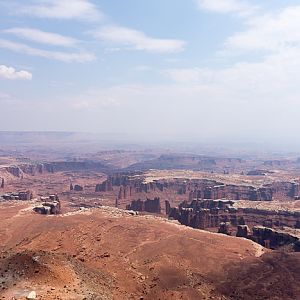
[(11, 73)]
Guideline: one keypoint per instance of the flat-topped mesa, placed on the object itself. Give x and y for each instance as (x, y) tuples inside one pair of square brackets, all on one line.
[(36, 168), (234, 192), (201, 188), (213, 190), (129, 184), (151, 206)]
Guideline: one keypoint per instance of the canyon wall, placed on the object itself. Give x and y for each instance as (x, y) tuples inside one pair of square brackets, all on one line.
[(199, 188), (269, 228), (151, 206)]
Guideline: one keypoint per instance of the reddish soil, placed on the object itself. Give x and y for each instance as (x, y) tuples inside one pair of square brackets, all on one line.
[(108, 254)]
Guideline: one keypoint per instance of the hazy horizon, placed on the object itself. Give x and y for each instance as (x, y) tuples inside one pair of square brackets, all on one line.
[(94, 142), (210, 71)]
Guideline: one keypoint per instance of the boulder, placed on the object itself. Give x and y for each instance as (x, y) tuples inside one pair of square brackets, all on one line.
[(31, 295)]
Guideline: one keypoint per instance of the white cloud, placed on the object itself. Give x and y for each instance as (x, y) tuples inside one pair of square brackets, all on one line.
[(62, 9), (11, 73), (238, 7), (258, 95), (274, 80), (80, 57), (272, 32), (137, 40), (42, 37)]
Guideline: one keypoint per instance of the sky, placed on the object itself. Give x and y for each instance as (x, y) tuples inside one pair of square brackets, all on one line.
[(197, 70)]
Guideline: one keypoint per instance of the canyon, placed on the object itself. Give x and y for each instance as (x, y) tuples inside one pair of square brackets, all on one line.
[(110, 226)]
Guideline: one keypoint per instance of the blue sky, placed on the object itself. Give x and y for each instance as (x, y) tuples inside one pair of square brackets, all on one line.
[(160, 69)]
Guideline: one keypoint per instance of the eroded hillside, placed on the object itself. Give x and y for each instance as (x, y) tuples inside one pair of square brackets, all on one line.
[(108, 253)]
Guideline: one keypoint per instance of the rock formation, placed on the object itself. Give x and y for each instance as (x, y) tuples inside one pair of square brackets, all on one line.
[(15, 171), (222, 215), (78, 188), (272, 238), (243, 231), (224, 228), (28, 195), (50, 207), (199, 188), (24, 196), (167, 207), (105, 186), (151, 206)]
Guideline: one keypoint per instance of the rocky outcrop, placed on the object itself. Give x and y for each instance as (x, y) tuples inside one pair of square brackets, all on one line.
[(24, 196), (151, 206), (34, 169), (284, 190), (222, 216), (78, 188), (125, 192), (234, 192), (51, 167), (210, 213), (200, 188), (50, 207), (28, 195), (272, 238), (270, 218), (167, 207), (105, 186), (2, 183), (204, 214), (243, 231), (224, 228), (297, 246), (15, 171)]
